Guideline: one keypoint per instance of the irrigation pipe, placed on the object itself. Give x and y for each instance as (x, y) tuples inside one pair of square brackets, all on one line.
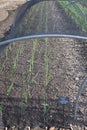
[(42, 36), (83, 85)]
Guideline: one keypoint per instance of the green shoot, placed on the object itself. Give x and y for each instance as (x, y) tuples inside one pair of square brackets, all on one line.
[(74, 12), (9, 89), (12, 71), (48, 76), (14, 64), (4, 61), (25, 95), (33, 79), (30, 18), (46, 23), (33, 56), (45, 106), (1, 106), (40, 20), (23, 107)]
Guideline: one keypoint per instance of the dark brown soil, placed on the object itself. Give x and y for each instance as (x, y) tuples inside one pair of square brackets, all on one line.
[(32, 100), (66, 73)]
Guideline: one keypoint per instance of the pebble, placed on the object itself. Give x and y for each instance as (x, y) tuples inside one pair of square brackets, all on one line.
[(76, 78), (27, 128)]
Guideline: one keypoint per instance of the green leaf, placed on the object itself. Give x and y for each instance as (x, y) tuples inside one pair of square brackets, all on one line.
[(10, 88)]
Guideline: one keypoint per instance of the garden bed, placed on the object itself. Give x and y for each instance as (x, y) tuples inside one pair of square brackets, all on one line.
[(35, 73)]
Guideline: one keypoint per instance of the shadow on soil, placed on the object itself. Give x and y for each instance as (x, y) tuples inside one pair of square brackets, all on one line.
[(35, 112)]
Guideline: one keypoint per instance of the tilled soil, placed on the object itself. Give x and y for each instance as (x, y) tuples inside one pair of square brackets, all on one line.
[(58, 69), (66, 72)]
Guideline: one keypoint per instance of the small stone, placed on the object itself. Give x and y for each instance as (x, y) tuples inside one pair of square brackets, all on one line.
[(76, 78), (51, 116), (85, 128), (37, 128), (13, 128), (52, 128), (27, 128), (71, 127), (6, 128)]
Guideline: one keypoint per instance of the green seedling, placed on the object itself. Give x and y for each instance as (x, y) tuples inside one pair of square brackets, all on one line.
[(25, 95), (33, 79), (48, 76), (4, 61), (45, 106), (32, 56), (46, 23), (14, 65), (26, 90), (78, 12), (12, 71), (1, 107), (40, 20), (31, 18), (23, 108), (10, 87), (45, 109)]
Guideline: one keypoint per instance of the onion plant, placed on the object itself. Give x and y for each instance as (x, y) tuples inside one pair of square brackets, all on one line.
[(40, 18), (29, 20), (13, 69), (5, 59), (45, 105), (1, 107), (45, 109), (46, 22), (31, 66), (48, 76), (25, 21), (32, 79), (77, 11)]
